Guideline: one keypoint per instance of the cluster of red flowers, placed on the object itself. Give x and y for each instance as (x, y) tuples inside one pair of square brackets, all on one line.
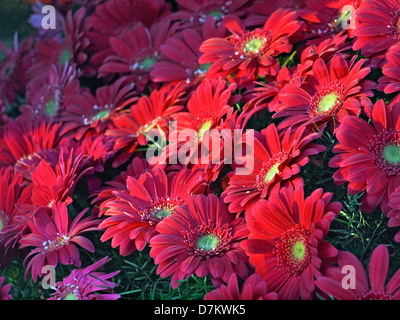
[(114, 72)]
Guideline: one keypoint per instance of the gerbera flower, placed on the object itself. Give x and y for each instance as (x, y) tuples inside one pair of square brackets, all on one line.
[(136, 51), (192, 14), (377, 28), (277, 162), (179, 56), (374, 287), (21, 138), (200, 238), (4, 289), (87, 284), (198, 120), (51, 93), (112, 17), (248, 54), (54, 238), (253, 288), (331, 92), (89, 114), (12, 194), (70, 50), (394, 212), (132, 216), (368, 155), (54, 183), (286, 244), (390, 81), (149, 113)]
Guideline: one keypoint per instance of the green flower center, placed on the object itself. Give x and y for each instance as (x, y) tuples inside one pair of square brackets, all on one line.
[(216, 14), (1, 225), (65, 56), (148, 63), (205, 127), (50, 107), (208, 242), (101, 115), (254, 45), (161, 214), (70, 296), (391, 153), (327, 102), (299, 250), (272, 172)]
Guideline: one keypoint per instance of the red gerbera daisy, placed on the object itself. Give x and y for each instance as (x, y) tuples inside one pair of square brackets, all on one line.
[(200, 238), (70, 50), (89, 114), (54, 238), (372, 288), (12, 194), (377, 28), (368, 155), (277, 162), (198, 120), (253, 288), (54, 183), (248, 54), (136, 51), (87, 284), (286, 244), (132, 216), (179, 56), (51, 93), (332, 91), (149, 114), (21, 138), (112, 17)]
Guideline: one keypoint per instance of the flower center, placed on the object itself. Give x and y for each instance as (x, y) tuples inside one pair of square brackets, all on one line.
[(159, 209), (391, 153), (293, 250), (1, 225), (147, 63), (65, 56), (252, 44), (216, 14), (70, 296), (207, 239), (208, 242), (327, 101), (270, 170), (373, 295), (60, 241), (50, 107), (68, 291), (385, 151), (205, 127), (101, 115), (394, 25)]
